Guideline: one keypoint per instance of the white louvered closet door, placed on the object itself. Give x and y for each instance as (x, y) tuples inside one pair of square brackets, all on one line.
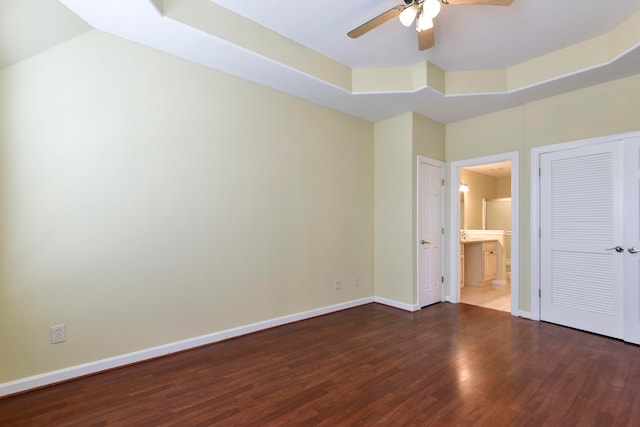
[(581, 218)]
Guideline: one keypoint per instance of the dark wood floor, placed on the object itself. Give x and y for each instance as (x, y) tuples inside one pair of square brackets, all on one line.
[(372, 365)]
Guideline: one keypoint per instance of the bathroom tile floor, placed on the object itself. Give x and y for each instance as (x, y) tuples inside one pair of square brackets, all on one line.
[(497, 297)]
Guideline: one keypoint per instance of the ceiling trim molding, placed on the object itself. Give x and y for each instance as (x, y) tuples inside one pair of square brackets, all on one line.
[(206, 33)]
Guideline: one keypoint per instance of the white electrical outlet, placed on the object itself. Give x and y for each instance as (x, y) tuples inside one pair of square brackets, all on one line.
[(338, 284), (58, 334)]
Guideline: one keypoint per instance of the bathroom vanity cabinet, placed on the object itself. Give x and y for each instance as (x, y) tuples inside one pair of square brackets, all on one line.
[(480, 262)]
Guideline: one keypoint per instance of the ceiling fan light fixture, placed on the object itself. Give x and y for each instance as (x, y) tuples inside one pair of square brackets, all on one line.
[(423, 23), (408, 15), (423, 13), (431, 8)]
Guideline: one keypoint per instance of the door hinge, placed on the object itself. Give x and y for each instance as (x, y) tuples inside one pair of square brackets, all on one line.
[(539, 171), (442, 181), (539, 232), (442, 279), (539, 293), (442, 230)]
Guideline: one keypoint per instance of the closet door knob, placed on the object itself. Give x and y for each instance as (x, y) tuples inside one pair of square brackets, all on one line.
[(620, 249), (633, 250), (424, 242)]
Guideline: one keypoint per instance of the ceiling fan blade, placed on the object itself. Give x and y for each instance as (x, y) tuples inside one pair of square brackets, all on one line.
[(426, 39), (480, 2), (378, 20)]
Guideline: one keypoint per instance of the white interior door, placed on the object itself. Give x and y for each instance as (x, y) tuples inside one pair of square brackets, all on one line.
[(429, 233), (632, 240), (581, 219)]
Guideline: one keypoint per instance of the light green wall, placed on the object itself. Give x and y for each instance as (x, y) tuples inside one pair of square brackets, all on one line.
[(146, 200), (605, 109)]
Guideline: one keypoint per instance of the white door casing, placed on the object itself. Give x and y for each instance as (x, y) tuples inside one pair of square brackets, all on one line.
[(454, 229), (429, 244), (632, 240), (581, 222)]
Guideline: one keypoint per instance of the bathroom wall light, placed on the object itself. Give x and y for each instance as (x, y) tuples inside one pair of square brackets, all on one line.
[(464, 187)]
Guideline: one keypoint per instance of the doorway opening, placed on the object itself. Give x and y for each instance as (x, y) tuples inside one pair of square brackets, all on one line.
[(485, 235), (484, 232)]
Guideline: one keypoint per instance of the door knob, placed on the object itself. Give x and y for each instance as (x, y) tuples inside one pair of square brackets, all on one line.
[(424, 242), (620, 249), (633, 250)]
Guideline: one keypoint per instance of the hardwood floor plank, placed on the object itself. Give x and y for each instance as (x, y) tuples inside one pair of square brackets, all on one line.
[(371, 365)]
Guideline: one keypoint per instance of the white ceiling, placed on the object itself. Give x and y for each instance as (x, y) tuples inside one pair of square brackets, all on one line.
[(467, 38), (496, 170)]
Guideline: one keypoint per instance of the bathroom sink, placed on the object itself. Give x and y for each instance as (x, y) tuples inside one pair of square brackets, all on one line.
[(470, 240)]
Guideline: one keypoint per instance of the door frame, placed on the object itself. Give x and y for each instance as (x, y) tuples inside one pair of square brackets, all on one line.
[(454, 222), (441, 165), (536, 152)]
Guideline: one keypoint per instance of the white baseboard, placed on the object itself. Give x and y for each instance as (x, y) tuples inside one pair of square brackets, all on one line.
[(526, 315), (70, 373), (397, 304)]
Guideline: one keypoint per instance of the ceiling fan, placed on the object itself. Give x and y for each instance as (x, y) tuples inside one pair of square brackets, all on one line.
[(423, 12)]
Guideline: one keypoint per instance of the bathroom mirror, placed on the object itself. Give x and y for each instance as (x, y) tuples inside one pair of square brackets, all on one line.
[(496, 214)]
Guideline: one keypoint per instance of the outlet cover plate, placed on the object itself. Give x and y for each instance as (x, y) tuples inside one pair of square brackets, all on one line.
[(58, 334)]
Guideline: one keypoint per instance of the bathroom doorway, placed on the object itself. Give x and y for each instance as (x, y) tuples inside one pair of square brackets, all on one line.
[(484, 232)]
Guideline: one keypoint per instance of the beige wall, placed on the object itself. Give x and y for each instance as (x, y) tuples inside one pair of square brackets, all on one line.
[(392, 263), (503, 186), (605, 109), (397, 143), (428, 138), (147, 200)]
